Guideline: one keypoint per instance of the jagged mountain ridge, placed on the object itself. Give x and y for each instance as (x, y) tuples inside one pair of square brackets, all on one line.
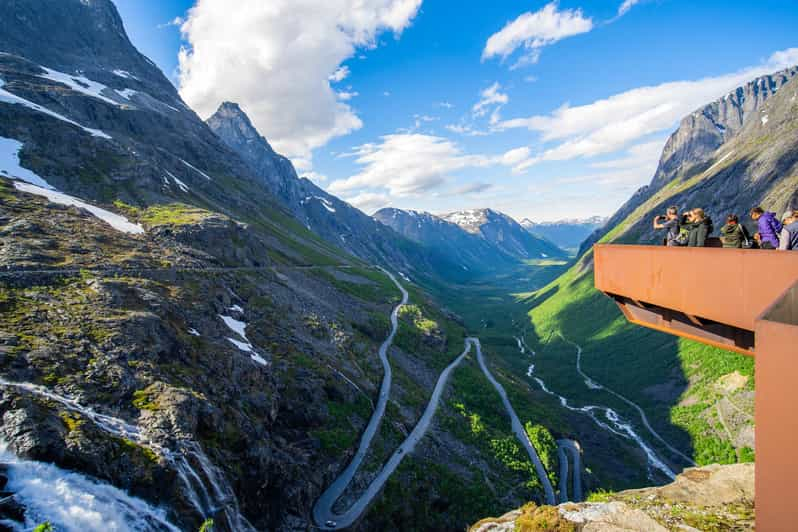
[(469, 251), (698, 137), (567, 234), (504, 233), (493, 240), (333, 219)]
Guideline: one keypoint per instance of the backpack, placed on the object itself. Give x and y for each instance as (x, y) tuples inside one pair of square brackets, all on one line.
[(682, 238)]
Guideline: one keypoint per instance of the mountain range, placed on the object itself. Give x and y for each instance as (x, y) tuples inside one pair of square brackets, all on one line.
[(567, 234), (334, 220), (481, 240)]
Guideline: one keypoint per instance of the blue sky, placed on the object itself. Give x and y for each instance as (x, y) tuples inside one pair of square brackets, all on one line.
[(577, 97)]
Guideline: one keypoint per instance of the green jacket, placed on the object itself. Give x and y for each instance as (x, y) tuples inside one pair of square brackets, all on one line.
[(733, 235), (698, 232)]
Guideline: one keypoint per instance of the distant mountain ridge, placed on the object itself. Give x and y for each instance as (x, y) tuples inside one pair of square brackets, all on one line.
[(483, 239), (504, 233), (568, 233)]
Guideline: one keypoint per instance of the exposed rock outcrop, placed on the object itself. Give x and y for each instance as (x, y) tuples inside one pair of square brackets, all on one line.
[(705, 498)]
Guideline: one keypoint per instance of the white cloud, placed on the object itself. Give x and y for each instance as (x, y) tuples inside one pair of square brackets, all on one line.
[(644, 155), (346, 96), (445, 105), (471, 188), (534, 31), (409, 164), (488, 98), (613, 123), (466, 129), (276, 57), (340, 74), (369, 201), (626, 6), (386, 93), (516, 156), (177, 21)]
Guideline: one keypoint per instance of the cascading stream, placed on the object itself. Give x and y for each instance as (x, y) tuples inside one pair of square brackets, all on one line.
[(618, 426), (193, 467), (590, 383), (73, 502)]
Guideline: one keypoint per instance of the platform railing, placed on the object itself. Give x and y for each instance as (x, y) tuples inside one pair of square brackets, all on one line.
[(710, 295)]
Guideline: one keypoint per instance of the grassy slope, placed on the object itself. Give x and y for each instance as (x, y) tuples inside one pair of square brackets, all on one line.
[(633, 361)]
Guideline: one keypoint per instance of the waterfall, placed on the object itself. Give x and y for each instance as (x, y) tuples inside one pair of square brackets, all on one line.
[(74, 502), (195, 471)]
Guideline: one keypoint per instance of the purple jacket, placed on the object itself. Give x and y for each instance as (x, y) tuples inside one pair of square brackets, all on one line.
[(769, 228)]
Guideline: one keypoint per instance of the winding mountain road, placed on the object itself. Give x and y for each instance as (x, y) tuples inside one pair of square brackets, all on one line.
[(322, 510), (518, 428), (565, 447), (323, 514)]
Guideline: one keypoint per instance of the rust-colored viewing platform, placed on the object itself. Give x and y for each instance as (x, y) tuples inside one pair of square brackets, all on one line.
[(741, 300)]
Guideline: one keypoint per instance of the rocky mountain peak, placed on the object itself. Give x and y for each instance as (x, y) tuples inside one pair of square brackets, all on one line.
[(85, 36), (704, 130), (231, 124), (230, 115)]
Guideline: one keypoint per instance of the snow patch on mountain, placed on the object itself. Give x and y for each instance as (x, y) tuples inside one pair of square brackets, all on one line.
[(239, 327), (124, 74), (80, 84), (200, 172), (13, 99), (324, 201), (177, 181), (10, 164), (120, 223)]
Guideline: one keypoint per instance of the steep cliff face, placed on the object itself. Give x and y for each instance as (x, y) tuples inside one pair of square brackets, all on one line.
[(233, 126), (334, 220), (699, 136), (706, 129)]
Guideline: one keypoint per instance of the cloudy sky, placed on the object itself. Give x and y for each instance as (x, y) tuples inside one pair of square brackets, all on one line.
[(539, 109)]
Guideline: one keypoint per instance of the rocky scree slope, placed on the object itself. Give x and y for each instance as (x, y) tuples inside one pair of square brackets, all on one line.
[(326, 215), (270, 368), (700, 399)]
